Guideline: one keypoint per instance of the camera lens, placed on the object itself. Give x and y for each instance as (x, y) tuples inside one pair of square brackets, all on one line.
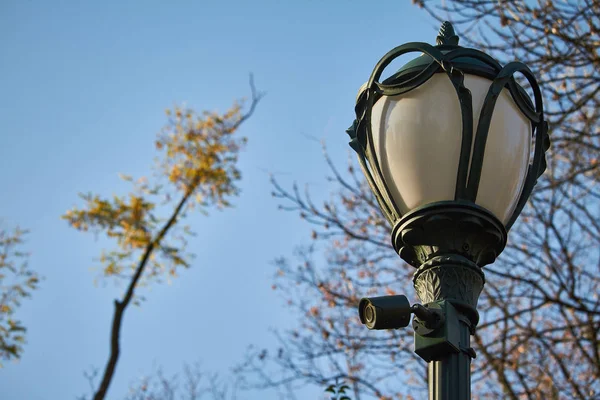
[(369, 314)]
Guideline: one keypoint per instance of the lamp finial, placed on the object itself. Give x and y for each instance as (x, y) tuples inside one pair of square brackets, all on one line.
[(447, 35)]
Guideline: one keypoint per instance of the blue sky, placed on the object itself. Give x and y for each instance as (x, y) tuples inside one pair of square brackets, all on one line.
[(83, 89)]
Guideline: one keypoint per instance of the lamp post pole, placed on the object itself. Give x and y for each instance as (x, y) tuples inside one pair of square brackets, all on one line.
[(451, 208), (448, 241)]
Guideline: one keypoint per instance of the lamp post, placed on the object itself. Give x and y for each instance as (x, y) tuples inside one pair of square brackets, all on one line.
[(451, 146)]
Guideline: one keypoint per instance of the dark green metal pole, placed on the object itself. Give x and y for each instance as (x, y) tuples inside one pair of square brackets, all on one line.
[(452, 285), (450, 377)]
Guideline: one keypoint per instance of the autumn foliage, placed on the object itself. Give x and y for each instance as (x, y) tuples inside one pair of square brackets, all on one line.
[(196, 169), (17, 281)]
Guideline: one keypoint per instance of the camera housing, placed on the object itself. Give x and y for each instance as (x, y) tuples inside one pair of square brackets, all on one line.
[(386, 312)]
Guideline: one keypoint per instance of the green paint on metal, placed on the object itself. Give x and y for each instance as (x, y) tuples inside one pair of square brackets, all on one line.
[(447, 35), (439, 343)]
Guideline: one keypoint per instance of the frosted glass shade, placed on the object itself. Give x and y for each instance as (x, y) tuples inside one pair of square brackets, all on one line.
[(417, 138)]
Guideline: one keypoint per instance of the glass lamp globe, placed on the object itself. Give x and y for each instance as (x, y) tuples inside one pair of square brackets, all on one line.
[(417, 138)]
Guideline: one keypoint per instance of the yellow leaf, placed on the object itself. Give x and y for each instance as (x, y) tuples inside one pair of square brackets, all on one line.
[(127, 178)]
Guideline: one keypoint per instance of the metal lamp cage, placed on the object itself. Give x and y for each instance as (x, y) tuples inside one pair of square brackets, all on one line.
[(453, 60)]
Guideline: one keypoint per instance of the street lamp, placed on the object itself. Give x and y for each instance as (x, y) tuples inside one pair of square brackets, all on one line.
[(451, 146)]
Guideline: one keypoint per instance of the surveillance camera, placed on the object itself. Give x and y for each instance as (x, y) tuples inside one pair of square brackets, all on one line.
[(386, 312)]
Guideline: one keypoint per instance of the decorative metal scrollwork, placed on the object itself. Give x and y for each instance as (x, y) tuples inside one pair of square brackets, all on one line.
[(454, 61)]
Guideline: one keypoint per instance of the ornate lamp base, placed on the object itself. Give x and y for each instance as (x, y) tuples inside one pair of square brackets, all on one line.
[(448, 243), (449, 228)]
